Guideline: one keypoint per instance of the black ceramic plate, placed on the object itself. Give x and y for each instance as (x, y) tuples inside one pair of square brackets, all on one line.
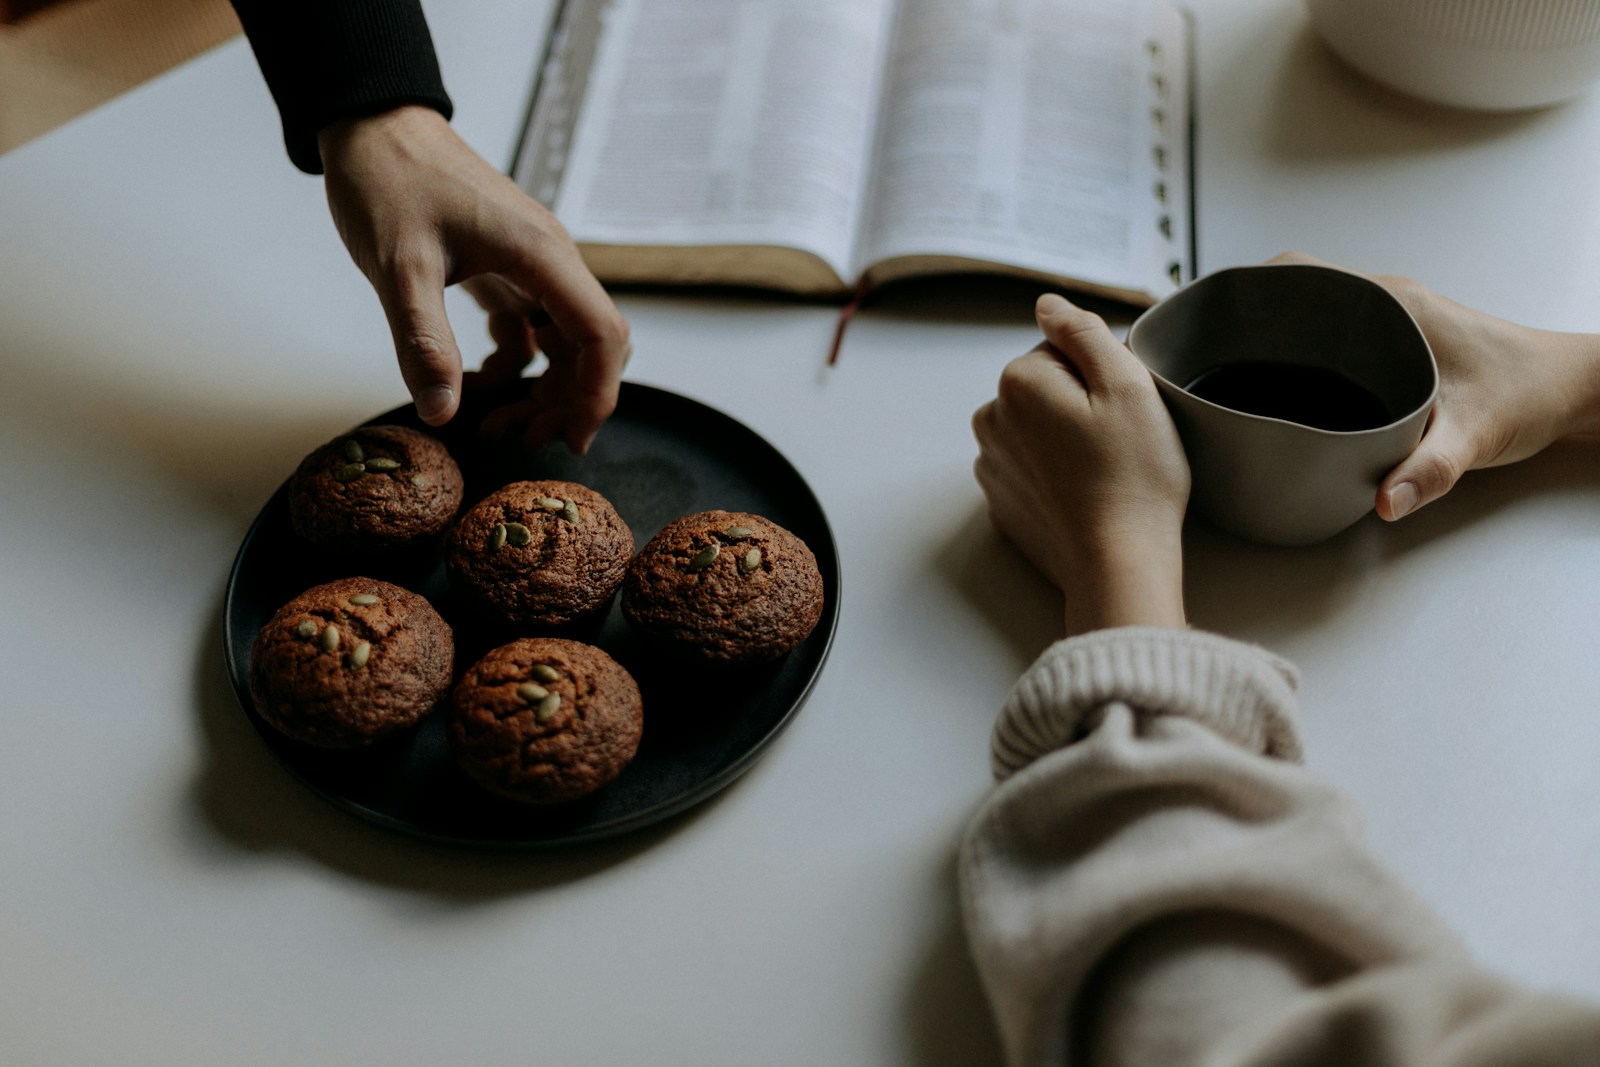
[(660, 456)]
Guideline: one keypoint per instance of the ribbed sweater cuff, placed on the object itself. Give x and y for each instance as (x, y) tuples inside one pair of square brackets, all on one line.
[(329, 60), (1241, 691)]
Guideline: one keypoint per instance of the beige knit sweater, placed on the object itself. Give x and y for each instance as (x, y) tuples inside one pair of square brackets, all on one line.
[(1157, 880)]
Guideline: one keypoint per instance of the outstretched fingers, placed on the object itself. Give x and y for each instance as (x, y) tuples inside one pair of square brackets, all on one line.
[(412, 296), (586, 340)]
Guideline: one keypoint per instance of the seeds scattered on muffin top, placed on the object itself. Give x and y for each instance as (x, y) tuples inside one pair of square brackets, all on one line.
[(375, 489), (724, 587)]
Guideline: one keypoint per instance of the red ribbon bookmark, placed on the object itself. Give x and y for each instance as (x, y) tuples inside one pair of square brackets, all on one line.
[(845, 315)]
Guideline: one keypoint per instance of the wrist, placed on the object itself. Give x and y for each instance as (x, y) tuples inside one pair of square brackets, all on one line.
[(1129, 585), (404, 123), (1585, 415)]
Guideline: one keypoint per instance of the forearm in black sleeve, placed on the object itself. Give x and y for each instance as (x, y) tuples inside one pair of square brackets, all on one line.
[(327, 60)]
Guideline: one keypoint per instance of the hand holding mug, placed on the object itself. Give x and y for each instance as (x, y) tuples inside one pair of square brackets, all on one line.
[(1505, 393), (1084, 472)]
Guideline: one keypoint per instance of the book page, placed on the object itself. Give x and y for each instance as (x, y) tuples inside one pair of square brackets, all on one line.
[(722, 122), (1037, 133)]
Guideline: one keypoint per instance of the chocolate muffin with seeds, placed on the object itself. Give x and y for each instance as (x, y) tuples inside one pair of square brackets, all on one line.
[(377, 489), (724, 587), (545, 720), (539, 554), (348, 663)]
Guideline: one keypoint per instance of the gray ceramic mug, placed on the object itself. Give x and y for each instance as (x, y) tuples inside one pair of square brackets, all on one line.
[(1267, 478)]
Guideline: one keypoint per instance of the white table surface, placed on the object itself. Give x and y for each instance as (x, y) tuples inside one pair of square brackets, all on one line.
[(179, 323)]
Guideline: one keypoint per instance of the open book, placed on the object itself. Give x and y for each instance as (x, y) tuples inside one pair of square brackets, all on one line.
[(827, 146)]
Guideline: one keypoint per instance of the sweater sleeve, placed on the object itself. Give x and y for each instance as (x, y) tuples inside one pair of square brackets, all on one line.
[(327, 60), (1156, 880)]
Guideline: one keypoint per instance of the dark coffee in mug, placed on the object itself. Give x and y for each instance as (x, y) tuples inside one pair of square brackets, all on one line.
[(1310, 396)]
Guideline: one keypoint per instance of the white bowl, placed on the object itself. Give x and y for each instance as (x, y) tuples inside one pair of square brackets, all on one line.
[(1496, 55)]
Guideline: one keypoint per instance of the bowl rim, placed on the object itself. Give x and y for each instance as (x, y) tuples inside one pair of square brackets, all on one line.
[(1423, 407)]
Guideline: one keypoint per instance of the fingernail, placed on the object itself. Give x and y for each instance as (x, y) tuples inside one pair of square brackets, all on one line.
[(1402, 500), (1051, 304), (435, 403)]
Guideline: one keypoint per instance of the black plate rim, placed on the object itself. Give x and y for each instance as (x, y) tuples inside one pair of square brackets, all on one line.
[(631, 393)]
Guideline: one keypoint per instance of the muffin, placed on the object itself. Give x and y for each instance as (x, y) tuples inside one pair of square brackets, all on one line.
[(379, 489), (345, 664), (724, 587), (539, 554), (544, 720)]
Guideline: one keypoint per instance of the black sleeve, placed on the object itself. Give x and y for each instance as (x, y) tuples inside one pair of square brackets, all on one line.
[(327, 60)]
